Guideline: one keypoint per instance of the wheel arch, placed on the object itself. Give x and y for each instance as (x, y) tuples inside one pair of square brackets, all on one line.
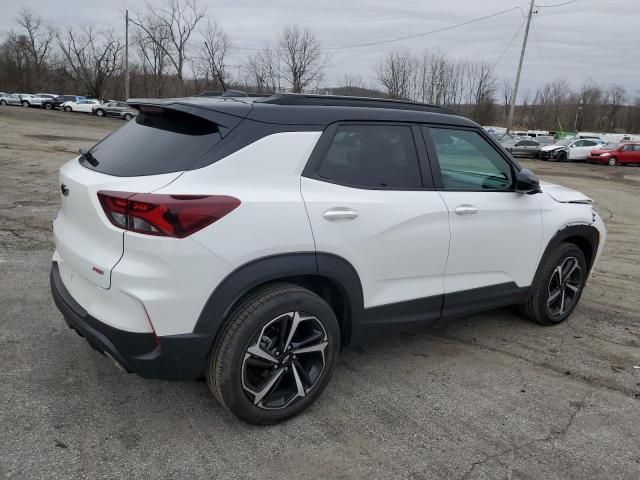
[(585, 237), (331, 277)]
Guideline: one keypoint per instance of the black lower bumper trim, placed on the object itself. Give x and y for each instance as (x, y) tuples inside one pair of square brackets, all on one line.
[(176, 357)]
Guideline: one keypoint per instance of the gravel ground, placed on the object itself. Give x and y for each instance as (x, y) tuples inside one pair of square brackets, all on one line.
[(487, 396)]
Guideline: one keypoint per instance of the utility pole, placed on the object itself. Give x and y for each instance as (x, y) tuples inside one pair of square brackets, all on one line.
[(512, 108), (575, 122), (126, 55)]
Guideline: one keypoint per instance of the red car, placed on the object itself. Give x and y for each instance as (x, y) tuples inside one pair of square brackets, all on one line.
[(616, 154)]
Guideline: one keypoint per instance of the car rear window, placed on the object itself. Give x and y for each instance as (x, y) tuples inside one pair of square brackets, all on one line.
[(153, 144)]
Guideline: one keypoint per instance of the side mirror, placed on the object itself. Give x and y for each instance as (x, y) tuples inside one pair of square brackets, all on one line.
[(527, 182)]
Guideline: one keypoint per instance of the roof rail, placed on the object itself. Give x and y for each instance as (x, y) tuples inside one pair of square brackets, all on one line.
[(346, 101)]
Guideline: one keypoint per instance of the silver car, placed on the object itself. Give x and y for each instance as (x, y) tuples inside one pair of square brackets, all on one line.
[(522, 148), (16, 99)]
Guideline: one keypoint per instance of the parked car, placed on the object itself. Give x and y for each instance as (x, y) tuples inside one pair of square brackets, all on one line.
[(56, 102), (16, 99), (252, 258), (84, 105), (569, 150), (522, 148), (617, 154), (37, 99), (114, 108)]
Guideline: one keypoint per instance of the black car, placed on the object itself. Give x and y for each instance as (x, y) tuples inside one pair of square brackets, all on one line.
[(55, 103)]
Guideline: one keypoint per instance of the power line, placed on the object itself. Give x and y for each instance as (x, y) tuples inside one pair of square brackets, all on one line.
[(509, 45), (406, 37), (556, 4)]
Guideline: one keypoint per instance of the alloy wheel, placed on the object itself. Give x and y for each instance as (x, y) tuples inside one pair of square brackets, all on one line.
[(284, 361), (564, 287), (612, 161)]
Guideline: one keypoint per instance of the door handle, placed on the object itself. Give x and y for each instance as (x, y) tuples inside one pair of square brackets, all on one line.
[(466, 209), (339, 213)]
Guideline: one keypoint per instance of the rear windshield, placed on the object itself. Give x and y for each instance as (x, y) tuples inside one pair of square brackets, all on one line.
[(152, 144)]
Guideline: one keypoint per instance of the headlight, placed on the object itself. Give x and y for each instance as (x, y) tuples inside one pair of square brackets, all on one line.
[(605, 154)]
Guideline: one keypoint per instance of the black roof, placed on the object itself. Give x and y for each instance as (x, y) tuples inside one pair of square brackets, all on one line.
[(299, 109)]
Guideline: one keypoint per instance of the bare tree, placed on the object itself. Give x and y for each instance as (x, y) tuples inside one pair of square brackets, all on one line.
[(152, 43), (214, 51), (397, 72), (262, 71), (179, 18), (507, 95), (91, 58), (616, 96), (303, 61), (37, 41), (481, 91)]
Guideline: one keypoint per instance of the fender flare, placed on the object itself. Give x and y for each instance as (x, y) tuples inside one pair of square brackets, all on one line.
[(258, 272), (587, 232)]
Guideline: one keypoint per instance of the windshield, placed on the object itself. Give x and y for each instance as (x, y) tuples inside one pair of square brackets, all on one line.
[(610, 146), (565, 141)]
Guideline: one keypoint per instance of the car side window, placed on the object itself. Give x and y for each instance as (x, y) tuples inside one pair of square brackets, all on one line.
[(372, 156), (468, 162), (589, 143), (627, 147)]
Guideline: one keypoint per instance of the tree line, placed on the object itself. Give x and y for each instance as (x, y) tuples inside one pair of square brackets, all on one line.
[(180, 49)]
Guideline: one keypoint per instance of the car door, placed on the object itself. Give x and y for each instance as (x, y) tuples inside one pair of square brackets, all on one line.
[(496, 233), (625, 154), (583, 150), (635, 159), (371, 202)]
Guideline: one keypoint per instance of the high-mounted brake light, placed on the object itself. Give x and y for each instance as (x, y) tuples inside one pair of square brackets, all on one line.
[(164, 215)]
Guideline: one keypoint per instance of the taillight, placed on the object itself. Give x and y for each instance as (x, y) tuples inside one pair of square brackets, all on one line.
[(164, 215)]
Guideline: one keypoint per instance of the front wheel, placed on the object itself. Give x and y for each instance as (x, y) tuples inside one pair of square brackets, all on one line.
[(3, 102), (613, 161), (67, 109), (100, 112), (557, 286), (25, 104), (48, 106), (275, 355), (127, 116), (562, 157)]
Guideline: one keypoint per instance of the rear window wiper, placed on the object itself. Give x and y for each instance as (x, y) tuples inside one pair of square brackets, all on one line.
[(86, 154)]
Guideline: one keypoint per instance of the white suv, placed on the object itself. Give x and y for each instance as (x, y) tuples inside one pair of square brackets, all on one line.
[(249, 239)]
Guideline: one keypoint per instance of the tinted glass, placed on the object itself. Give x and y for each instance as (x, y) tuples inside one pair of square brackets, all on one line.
[(153, 144), (627, 147), (589, 143), (468, 162), (373, 156)]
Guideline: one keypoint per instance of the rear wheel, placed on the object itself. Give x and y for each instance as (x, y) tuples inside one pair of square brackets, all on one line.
[(613, 161), (100, 112), (25, 104), (48, 106), (3, 102), (557, 286), (127, 116), (276, 354), (67, 109)]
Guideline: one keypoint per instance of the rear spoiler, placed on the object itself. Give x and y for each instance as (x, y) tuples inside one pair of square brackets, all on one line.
[(225, 114)]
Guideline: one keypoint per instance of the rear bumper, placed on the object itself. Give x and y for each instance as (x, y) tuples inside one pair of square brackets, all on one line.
[(171, 357)]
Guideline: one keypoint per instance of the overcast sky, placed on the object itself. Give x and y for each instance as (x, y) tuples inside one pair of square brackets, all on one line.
[(595, 39)]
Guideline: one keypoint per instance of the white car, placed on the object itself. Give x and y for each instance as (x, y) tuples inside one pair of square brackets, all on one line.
[(569, 149), (250, 239), (85, 105)]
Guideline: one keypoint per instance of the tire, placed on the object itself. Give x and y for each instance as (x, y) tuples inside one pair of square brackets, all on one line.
[(562, 157), (100, 112), (612, 162), (68, 109), (240, 380), (3, 102), (540, 306), (25, 104), (127, 116), (48, 106)]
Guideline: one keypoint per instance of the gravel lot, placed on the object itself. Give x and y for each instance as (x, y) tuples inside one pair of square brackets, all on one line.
[(488, 396)]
